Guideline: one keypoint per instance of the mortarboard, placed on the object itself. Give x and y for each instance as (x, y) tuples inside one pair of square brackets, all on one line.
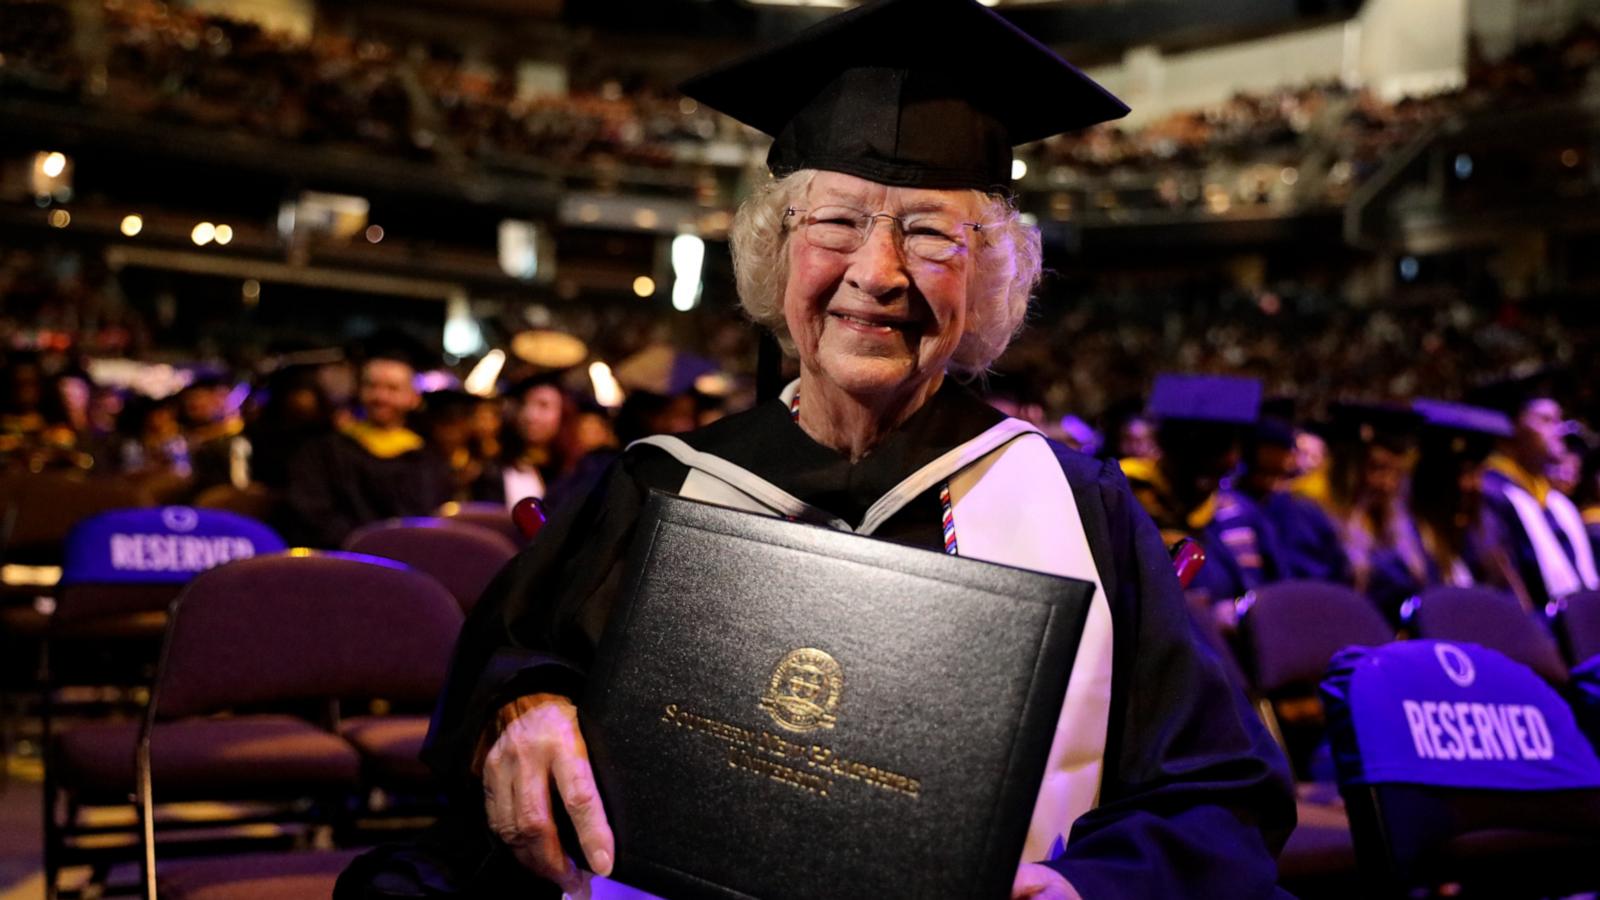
[(1272, 431), (1219, 399), (1458, 429), (1462, 418), (1392, 426), (910, 93), (395, 344), (1512, 395)]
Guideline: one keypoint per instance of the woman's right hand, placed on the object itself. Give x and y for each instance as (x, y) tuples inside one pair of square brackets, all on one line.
[(541, 745)]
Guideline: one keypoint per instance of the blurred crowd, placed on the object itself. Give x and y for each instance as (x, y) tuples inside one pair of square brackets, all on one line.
[(1299, 146), (1372, 492), (320, 448)]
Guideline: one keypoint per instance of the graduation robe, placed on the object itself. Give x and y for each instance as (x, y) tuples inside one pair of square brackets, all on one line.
[(1230, 529), (1544, 532), (1307, 541), (1191, 797), (335, 485)]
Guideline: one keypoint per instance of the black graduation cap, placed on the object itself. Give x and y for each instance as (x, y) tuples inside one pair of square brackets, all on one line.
[(1460, 418), (1512, 395), (1392, 426), (398, 345), (1459, 430), (912, 93), (1219, 399)]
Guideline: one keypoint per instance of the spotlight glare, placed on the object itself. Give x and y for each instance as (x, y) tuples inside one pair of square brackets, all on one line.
[(54, 164), (1019, 168), (480, 382), (224, 234), (203, 234), (607, 392), (132, 225), (60, 218), (644, 286)]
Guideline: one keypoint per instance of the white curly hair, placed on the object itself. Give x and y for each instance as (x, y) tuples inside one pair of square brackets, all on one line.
[(1005, 273)]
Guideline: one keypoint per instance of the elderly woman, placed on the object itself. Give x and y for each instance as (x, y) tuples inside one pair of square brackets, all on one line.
[(886, 257)]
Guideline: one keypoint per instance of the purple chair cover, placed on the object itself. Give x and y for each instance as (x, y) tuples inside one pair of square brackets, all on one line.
[(165, 545), (1491, 619), (1293, 628), (1584, 693), (462, 556), (304, 626), (1449, 715)]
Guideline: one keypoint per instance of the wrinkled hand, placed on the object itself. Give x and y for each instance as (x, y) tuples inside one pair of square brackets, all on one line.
[(543, 744), (1036, 882)]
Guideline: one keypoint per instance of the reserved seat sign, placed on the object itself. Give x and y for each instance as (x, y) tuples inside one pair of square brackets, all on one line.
[(161, 545), (1451, 715)]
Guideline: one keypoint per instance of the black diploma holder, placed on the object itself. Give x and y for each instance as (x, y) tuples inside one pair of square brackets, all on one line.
[(785, 711)]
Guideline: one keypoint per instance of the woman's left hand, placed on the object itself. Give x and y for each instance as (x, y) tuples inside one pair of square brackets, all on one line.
[(1037, 882)]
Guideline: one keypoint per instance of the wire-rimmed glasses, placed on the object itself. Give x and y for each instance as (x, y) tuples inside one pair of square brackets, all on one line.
[(934, 236)]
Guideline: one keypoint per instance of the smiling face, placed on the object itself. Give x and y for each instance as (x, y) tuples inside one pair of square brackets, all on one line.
[(877, 322)]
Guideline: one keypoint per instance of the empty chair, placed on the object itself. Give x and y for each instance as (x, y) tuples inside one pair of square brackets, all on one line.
[(493, 516), (1290, 630), (1491, 619), (296, 628), (1578, 623), (120, 571), (1462, 767), (464, 557), (1288, 633)]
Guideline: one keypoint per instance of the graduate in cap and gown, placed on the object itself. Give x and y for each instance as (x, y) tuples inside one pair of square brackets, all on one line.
[(1200, 423), (1305, 540), (1372, 449), (887, 257), (1545, 533), (372, 466), (1459, 545)]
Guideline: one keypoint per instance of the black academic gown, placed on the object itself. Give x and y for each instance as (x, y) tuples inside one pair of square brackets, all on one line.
[(1307, 540), (335, 486), (1195, 798), (1498, 507)]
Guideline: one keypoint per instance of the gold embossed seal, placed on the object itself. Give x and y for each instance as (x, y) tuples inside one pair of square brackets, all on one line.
[(804, 690)]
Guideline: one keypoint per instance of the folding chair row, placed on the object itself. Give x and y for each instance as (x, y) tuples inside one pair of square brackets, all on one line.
[(294, 629), (1287, 635), (258, 656), (462, 555)]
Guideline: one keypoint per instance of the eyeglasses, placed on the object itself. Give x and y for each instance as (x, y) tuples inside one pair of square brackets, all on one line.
[(937, 237)]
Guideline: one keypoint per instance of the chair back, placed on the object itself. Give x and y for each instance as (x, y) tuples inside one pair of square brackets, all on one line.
[(303, 626), (39, 509), (1491, 619), (1291, 629), (1578, 623), (462, 556), (493, 516), (256, 501), (1435, 741)]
